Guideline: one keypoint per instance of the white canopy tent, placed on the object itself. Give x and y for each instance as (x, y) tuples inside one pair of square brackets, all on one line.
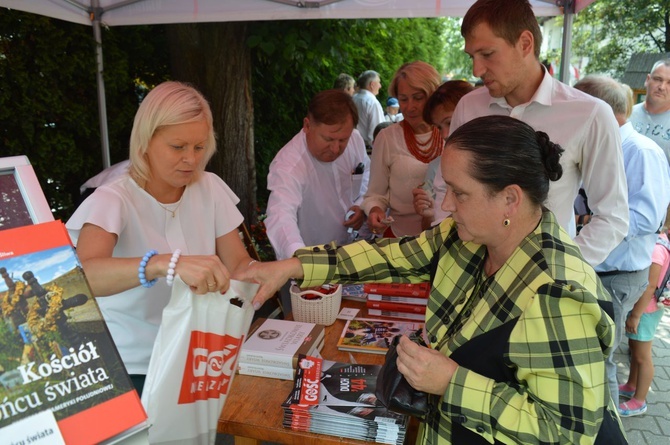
[(147, 12)]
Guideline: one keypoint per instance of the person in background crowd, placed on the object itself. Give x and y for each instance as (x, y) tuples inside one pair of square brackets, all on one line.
[(163, 218), (652, 117), (641, 325), (516, 318), (370, 112), (503, 39), (379, 128), (401, 154), (107, 175), (393, 113), (438, 112), (625, 271), (318, 177), (345, 83)]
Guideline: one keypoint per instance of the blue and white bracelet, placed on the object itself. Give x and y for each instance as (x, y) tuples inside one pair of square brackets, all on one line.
[(141, 271)]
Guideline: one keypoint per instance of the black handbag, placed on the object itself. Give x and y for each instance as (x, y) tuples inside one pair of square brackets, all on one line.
[(392, 389)]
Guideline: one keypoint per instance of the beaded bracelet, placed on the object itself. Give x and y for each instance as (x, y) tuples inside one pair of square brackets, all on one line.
[(142, 269), (172, 266)]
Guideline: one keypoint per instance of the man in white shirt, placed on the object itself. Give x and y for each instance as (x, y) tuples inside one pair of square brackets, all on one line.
[(370, 112), (518, 85), (652, 117), (318, 179)]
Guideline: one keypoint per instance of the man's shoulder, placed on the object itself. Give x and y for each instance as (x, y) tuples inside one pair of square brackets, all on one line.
[(290, 154), (638, 108), (642, 142), (480, 94), (563, 92)]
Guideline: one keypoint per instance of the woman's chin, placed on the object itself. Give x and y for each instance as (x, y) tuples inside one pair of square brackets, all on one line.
[(463, 234)]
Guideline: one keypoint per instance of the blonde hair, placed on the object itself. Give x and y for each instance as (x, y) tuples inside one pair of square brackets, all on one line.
[(169, 103), (630, 97), (419, 75)]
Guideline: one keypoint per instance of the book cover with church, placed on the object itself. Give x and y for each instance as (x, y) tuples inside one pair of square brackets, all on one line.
[(56, 354)]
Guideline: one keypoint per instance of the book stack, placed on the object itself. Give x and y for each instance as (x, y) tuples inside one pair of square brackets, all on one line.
[(373, 336), (339, 399), (398, 300), (273, 346)]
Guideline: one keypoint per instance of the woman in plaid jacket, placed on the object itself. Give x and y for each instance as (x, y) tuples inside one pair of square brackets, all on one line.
[(517, 320)]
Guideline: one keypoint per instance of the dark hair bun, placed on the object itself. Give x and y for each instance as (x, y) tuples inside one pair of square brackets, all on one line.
[(551, 156)]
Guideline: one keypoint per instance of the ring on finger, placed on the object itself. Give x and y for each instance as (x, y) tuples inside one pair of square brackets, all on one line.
[(211, 285)]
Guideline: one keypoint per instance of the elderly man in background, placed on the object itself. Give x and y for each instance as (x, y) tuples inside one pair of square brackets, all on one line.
[(370, 112), (652, 117)]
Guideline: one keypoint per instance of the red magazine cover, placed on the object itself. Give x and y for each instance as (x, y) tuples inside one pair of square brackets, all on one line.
[(57, 354), (398, 289), (396, 307)]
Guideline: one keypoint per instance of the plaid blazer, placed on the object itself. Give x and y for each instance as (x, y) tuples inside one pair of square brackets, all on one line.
[(556, 338)]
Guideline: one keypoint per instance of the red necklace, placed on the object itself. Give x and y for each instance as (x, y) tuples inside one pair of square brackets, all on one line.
[(418, 149)]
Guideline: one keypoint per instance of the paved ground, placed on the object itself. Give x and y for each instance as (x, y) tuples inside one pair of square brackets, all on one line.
[(653, 427)]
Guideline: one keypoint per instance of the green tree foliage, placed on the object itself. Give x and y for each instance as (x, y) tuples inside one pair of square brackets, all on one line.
[(293, 60), (48, 96), (458, 63), (608, 32), (48, 92)]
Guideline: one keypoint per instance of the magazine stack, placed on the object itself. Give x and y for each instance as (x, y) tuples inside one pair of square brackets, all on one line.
[(398, 300), (273, 346), (338, 399)]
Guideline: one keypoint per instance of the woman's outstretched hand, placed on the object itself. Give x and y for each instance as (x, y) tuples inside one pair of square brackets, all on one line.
[(271, 276)]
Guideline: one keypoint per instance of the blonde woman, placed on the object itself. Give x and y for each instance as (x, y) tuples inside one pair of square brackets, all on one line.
[(136, 233), (401, 154)]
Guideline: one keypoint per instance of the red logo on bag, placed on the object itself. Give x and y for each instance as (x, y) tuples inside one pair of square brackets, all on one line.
[(209, 366)]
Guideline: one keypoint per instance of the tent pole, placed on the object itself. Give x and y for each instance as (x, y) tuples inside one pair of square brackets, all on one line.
[(102, 104), (566, 44)]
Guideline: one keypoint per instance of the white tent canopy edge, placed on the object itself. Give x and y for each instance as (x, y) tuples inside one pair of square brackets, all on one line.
[(148, 12)]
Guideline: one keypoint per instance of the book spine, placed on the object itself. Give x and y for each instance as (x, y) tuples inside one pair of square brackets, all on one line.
[(268, 359), (282, 361), (398, 289), (403, 315), (396, 307), (422, 301), (272, 372)]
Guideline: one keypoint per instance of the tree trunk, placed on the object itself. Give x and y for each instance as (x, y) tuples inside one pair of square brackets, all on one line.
[(214, 58)]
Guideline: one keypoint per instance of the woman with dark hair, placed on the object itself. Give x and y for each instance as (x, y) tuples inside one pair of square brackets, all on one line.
[(516, 318), (438, 111)]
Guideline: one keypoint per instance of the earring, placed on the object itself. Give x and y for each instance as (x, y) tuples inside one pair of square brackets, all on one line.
[(506, 222)]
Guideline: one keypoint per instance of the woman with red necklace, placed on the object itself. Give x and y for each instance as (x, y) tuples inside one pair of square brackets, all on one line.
[(401, 154)]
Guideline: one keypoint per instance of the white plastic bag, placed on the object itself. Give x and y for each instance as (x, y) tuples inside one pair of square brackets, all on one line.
[(193, 362)]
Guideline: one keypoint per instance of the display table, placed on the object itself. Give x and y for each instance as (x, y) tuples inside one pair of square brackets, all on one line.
[(253, 411)]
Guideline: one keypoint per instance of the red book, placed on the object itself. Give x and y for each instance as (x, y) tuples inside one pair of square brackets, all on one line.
[(396, 307), (395, 314), (419, 301), (399, 289)]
